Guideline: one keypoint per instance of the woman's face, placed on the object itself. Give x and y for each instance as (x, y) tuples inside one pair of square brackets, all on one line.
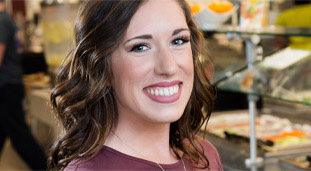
[(153, 65)]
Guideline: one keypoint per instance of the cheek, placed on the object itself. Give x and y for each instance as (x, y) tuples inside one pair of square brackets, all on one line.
[(187, 63), (190, 67), (128, 73)]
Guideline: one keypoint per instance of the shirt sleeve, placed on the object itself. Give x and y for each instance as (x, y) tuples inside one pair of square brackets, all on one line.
[(218, 161), (4, 33)]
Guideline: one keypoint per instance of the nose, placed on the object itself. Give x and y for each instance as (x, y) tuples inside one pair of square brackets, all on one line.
[(165, 62)]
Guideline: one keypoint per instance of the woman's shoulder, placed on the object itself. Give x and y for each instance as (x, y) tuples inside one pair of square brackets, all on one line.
[(211, 153), (92, 163), (84, 163), (206, 144)]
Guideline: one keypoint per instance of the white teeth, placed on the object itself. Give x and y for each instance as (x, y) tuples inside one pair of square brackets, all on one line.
[(161, 92), (172, 90), (156, 92), (167, 91)]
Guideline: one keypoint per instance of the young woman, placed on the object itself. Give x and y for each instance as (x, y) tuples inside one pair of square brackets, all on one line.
[(131, 96)]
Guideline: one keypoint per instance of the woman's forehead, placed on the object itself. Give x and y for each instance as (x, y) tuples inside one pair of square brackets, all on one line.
[(157, 16)]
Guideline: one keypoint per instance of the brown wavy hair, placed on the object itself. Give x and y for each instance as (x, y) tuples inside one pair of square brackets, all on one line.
[(83, 98)]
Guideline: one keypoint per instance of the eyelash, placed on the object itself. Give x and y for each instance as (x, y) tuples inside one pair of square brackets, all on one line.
[(136, 47), (183, 38)]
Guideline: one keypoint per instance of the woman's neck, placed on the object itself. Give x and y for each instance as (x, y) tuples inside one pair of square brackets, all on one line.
[(146, 141)]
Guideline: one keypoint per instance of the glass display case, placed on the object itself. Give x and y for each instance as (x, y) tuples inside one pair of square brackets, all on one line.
[(284, 76)]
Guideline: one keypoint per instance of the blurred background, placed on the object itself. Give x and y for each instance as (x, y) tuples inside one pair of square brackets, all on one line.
[(256, 47)]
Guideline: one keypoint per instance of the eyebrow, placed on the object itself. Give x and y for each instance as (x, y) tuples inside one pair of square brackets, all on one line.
[(146, 36), (149, 36), (179, 30)]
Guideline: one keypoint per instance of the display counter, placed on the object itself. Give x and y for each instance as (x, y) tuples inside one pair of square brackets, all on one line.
[(229, 132), (233, 156), (39, 111)]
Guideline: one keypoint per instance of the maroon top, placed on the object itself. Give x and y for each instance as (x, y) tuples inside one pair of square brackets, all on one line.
[(111, 159)]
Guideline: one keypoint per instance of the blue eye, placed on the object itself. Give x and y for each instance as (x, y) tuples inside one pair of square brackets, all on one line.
[(179, 41), (139, 48)]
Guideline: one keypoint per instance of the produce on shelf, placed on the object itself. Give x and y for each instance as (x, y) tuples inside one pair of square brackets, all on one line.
[(217, 6), (195, 8), (212, 15), (220, 6)]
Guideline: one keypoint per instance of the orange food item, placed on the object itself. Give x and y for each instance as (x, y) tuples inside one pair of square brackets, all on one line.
[(287, 134), (220, 6), (248, 80), (195, 8)]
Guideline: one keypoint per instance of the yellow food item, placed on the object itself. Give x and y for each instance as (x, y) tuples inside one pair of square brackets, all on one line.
[(253, 2), (220, 6)]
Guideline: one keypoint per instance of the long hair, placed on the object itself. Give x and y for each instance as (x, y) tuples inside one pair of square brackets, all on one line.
[(83, 98)]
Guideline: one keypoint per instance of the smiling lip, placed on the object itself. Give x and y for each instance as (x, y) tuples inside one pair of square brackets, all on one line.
[(164, 92)]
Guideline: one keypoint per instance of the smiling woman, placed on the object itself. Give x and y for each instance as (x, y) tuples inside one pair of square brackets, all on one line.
[(131, 94)]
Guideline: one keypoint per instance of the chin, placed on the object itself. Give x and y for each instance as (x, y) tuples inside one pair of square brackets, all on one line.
[(166, 115)]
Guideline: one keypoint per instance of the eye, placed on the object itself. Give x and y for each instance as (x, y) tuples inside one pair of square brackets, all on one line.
[(180, 41), (139, 48)]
